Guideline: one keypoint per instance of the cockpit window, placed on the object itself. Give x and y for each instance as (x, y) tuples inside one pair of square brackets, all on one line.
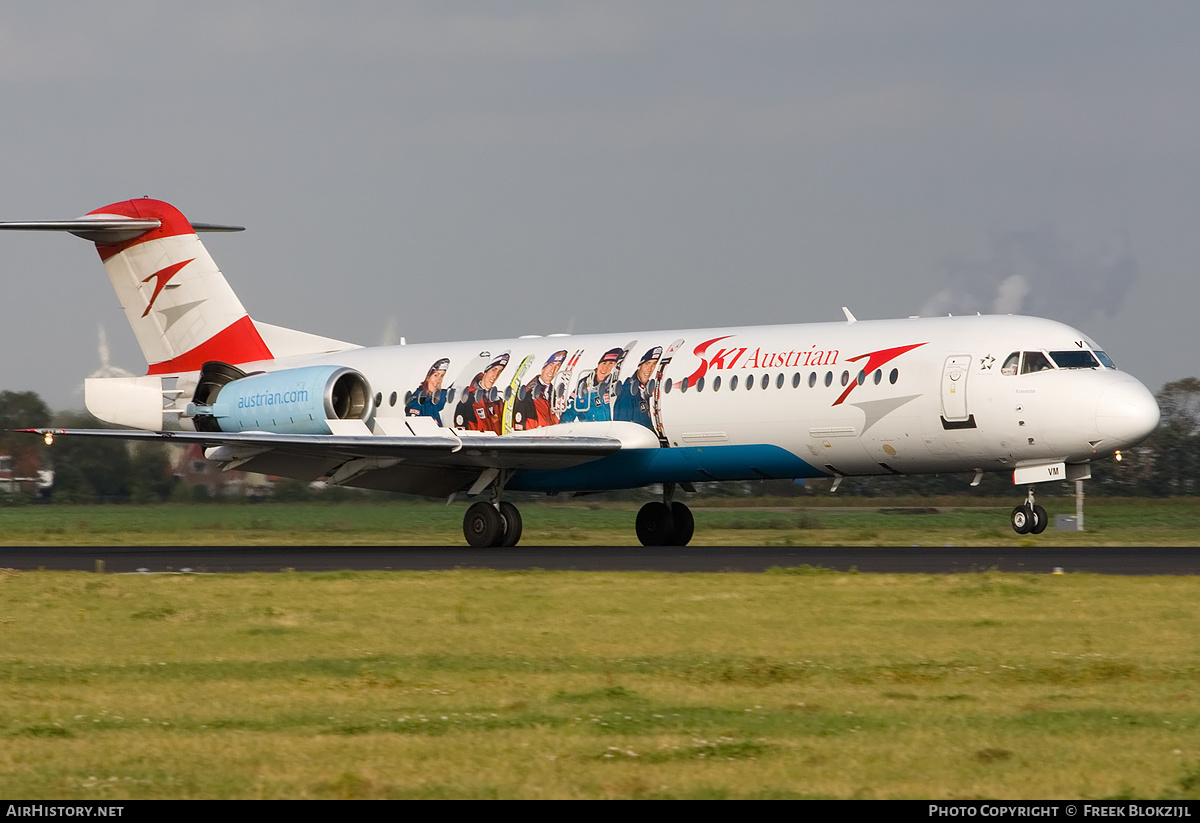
[(1011, 363), (1074, 359), (1105, 359), (1035, 361)]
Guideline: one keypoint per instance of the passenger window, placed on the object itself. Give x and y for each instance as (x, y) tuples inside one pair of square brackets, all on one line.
[(828, 379), (749, 382), (1011, 363), (683, 384), (700, 384), (733, 383), (378, 399), (392, 399), (766, 380), (878, 376), (845, 377), (862, 377), (796, 380), (717, 383), (667, 386), (812, 380), (894, 376), (1035, 361)]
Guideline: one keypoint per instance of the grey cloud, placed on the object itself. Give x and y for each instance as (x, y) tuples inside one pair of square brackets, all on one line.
[(1032, 271)]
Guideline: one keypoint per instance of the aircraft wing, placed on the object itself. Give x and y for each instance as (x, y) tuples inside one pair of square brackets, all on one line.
[(435, 465), (482, 452)]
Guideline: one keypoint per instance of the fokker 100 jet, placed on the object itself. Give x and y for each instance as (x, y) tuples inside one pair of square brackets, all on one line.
[(1021, 395)]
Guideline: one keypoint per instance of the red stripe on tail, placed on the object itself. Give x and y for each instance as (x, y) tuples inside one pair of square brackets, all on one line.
[(238, 343)]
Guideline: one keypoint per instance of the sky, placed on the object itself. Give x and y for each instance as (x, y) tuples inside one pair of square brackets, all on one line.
[(462, 170)]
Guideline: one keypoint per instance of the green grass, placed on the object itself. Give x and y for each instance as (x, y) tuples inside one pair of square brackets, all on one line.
[(797, 683), (405, 522)]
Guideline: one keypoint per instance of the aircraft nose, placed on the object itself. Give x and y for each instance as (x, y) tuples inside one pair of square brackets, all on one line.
[(1126, 412)]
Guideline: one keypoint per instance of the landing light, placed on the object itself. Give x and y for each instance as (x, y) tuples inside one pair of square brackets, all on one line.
[(49, 438), (1117, 456)]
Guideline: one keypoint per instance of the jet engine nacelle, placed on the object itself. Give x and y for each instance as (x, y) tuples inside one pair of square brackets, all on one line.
[(292, 401)]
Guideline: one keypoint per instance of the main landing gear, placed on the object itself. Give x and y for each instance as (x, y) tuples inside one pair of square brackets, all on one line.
[(492, 525), (1029, 518), (666, 523)]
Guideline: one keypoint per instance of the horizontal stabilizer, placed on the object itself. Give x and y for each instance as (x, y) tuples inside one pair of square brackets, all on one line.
[(107, 229)]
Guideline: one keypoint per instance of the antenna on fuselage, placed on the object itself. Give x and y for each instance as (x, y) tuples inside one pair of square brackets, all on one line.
[(850, 318)]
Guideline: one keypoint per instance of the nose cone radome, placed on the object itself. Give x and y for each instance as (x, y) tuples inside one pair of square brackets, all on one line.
[(1127, 412)]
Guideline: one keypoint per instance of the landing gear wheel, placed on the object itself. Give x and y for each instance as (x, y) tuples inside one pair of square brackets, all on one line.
[(483, 526), (1040, 519), (512, 525), (685, 524), (655, 524), (1022, 519)]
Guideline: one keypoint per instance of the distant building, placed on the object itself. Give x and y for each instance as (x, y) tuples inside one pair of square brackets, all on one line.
[(10, 483), (193, 470)]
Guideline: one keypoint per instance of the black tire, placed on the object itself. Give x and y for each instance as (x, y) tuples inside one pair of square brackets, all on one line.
[(685, 524), (1040, 520), (1022, 519), (482, 526), (512, 525), (655, 525)]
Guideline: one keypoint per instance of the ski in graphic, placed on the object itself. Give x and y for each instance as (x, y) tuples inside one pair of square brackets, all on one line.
[(562, 384), (615, 377), (658, 390), (510, 396)]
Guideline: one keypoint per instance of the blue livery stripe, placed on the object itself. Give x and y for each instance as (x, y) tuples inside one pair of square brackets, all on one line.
[(631, 468)]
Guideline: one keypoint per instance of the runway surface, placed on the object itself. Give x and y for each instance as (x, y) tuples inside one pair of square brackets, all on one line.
[(905, 560)]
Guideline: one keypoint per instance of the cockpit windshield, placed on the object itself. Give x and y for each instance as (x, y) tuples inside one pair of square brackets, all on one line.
[(1027, 362), (1074, 359)]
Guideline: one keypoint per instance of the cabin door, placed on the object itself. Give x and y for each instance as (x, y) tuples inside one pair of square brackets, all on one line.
[(954, 388)]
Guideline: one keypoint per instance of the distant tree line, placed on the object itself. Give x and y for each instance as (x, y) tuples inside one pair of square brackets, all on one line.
[(94, 470), (86, 470)]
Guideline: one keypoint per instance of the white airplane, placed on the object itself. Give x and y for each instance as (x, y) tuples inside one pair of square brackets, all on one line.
[(559, 413)]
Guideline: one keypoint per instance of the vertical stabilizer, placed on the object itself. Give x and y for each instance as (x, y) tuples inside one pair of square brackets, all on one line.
[(178, 303)]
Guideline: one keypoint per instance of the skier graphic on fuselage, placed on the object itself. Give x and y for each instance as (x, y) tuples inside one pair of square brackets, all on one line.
[(429, 398), (594, 392), (633, 396), (481, 404), (533, 405)]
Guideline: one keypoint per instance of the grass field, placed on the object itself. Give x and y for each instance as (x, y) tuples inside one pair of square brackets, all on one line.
[(797, 683), (854, 521)]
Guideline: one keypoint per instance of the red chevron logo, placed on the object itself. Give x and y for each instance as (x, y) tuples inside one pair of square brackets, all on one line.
[(164, 276)]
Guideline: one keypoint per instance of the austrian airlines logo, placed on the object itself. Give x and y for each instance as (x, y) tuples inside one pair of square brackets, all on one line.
[(875, 359), (161, 278), (741, 357)]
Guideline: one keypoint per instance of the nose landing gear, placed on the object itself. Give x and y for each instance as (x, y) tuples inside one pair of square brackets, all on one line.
[(1029, 518)]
